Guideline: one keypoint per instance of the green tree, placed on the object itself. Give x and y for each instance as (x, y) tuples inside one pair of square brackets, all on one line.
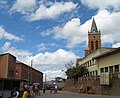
[(76, 72)]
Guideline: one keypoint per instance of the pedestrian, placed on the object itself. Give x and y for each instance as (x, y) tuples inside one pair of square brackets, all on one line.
[(44, 89), (25, 93), (56, 89), (31, 90)]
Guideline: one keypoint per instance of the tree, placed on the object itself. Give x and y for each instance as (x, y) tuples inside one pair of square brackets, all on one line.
[(76, 72)]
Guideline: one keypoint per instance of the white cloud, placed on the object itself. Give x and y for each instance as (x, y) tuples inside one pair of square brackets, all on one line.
[(34, 10), (116, 45), (6, 35), (75, 32), (3, 4), (42, 47), (51, 75), (51, 12), (109, 24), (23, 6), (53, 44), (102, 4), (20, 54), (57, 58)]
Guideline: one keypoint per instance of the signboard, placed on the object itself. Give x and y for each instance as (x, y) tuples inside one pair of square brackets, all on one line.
[(104, 78)]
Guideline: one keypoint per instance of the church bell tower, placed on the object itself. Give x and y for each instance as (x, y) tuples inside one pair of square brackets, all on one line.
[(94, 39)]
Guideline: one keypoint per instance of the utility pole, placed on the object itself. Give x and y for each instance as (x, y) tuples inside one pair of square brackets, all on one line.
[(31, 72)]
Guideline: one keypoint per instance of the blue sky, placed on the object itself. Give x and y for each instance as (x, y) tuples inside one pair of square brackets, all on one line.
[(54, 32)]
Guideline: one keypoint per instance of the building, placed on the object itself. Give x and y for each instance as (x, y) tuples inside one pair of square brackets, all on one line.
[(94, 48), (15, 74), (109, 62), (90, 62), (103, 66), (7, 66), (7, 71), (28, 74)]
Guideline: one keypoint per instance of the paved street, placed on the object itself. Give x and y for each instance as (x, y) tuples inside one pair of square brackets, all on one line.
[(73, 95)]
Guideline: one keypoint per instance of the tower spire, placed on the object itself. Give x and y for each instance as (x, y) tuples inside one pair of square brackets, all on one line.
[(94, 27)]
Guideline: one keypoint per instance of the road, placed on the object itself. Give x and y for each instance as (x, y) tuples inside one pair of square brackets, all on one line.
[(72, 95)]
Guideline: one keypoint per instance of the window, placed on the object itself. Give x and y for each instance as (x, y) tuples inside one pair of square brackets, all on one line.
[(116, 68), (92, 45), (96, 45), (106, 69), (101, 70), (92, 61), (17, 73), (111, 69), (90, 73), (96, 73)]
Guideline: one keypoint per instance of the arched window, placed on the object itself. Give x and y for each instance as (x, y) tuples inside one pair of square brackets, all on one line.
[(96, 45), (92, 45)]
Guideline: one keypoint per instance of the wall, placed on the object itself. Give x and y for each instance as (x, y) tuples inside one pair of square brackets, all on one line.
[(29, 74), (11, 66), (3, 66), (73, 85), (7, 66), (108, 61)]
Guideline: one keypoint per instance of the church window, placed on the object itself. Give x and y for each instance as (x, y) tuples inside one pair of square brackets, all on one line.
[(96, 45), (92, 45)]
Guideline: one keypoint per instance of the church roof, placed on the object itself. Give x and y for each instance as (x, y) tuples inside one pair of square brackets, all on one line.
[(94, 27)]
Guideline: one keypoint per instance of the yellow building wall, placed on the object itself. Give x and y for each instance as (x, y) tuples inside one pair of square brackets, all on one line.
[(91, 56), (111, 60)]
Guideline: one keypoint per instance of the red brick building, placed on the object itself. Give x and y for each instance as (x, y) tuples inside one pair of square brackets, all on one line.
[(28, 73), (7, 66), (15, 74)]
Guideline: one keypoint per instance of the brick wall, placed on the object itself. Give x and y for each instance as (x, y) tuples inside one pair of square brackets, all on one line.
[(7, 66)]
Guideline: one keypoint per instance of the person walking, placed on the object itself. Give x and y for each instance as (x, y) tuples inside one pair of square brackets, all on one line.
[(25, 93), (44, 89), (56, 89)]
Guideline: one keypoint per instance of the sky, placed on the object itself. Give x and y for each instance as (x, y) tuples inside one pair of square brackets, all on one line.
[(53, 33)]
